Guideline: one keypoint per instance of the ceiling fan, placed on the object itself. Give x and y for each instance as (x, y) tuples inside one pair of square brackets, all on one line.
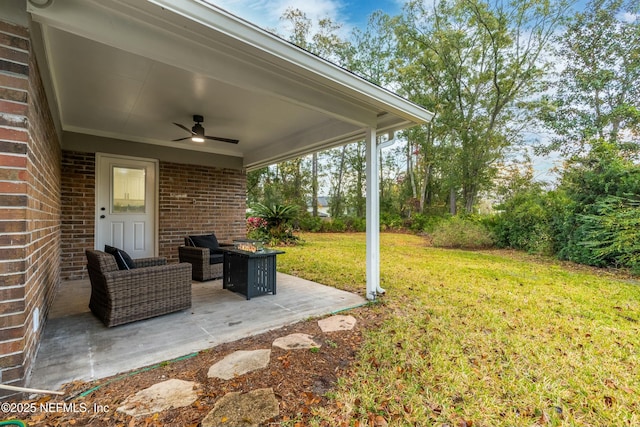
[(197, 132)]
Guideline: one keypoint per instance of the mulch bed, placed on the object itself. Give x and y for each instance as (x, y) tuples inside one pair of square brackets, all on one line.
[(300, 380)]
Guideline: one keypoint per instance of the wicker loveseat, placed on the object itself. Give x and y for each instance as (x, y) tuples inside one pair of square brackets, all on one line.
[(205, 255), (151, 289)]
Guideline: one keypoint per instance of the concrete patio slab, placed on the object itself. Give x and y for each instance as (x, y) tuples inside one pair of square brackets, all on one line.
[(77, 346)]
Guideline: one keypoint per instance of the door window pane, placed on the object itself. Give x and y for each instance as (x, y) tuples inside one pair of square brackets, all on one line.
[(128, 194)]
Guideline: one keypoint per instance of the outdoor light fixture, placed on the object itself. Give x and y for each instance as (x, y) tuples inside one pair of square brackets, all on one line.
[(198, 133), (41, 3)]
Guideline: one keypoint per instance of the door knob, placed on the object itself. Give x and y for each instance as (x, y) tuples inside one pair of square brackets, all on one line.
[(102, 217)]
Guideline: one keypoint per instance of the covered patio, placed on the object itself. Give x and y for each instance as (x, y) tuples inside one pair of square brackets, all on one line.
[(94, 87), (77, 346)]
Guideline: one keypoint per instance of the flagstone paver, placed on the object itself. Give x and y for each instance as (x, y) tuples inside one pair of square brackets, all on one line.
[(243, 409), (239, 363), (296, 341), (337, 323), (159, 397)]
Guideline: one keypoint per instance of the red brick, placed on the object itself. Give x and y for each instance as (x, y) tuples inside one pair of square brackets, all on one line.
[(12, 147), (10, 361), (12, 201), (11, 280), (8, 347), (12, 333), (14, 82), (7, 27), (13, 374), (11, 94), (14, 108), (13, 161), (15, 42), (8, 134), (13, 187), (14, 55)]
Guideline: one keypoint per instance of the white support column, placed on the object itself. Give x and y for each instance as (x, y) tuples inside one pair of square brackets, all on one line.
[(373, 216)]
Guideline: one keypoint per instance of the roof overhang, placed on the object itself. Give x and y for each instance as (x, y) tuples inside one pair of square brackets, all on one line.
[(128, 69)]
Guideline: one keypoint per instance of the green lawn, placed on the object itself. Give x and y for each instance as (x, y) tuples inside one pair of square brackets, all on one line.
[(482, 338)]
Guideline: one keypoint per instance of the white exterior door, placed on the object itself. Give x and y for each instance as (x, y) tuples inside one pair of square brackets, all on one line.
[(126, 208)]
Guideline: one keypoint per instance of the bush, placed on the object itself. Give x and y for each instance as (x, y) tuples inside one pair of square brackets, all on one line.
[(355, 224), (526, 222), (611, 235), (310, 223), (335, 225), (389, 221), (462, 233), (599, 223), (278, 218), (421, 223)]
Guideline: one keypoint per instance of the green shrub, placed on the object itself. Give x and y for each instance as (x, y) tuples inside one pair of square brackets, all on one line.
[(279, 219), (335, 225), (525, 222), (390, 221), (355, 224), (423, 223), (611, 235), (599, 223), (310, 223), (458, 232)]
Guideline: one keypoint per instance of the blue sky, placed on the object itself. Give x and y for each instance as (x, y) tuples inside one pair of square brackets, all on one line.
[(349, 13)]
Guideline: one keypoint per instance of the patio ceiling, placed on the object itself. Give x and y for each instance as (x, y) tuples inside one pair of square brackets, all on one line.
[(128, 69)]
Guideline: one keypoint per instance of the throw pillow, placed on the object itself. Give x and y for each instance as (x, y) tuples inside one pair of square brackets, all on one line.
[(208, 241), (123, 259)]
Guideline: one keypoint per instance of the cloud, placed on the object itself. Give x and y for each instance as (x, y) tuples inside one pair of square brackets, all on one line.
[(629, 17), (267, 13)]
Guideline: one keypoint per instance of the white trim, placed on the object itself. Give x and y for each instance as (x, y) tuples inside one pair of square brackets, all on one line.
[(373, 217)]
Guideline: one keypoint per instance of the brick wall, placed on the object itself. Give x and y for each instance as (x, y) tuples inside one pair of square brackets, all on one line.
[(192, 200), (78, 212), (29, 205), (198, 200)]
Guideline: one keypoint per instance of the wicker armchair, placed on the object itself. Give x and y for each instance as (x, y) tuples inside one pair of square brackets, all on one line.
[(152, 289), (206, 262)]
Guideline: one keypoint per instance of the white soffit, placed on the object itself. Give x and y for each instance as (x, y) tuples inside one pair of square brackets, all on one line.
[(279, 100)]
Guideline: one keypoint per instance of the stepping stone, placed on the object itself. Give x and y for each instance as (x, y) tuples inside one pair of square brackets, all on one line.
[(160, 397), (296, 341), (243, 409), (240, 363), (337, 323)]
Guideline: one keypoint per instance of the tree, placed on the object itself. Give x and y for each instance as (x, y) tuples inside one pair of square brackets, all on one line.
[(600, 226), (596, 95), (326, 43), (474, 63)]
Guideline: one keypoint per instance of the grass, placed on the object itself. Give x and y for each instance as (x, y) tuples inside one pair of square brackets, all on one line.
[(482, 338)]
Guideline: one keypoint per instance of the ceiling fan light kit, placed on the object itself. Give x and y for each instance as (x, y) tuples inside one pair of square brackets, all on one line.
[(197, 132)]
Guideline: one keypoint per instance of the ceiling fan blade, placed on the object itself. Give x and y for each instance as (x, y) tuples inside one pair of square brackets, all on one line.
[(184, 127), (230, 141), (181, 139)]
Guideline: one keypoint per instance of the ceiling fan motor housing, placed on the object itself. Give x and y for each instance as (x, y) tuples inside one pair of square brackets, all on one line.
[(198, 129)]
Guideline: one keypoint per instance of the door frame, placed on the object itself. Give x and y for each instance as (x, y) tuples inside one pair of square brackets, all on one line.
[(156, 191)]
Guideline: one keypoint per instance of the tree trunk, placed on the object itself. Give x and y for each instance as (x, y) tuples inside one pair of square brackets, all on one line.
[(410, 170), (314, 184), (453, 210), (337, 196), (424, 187)]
